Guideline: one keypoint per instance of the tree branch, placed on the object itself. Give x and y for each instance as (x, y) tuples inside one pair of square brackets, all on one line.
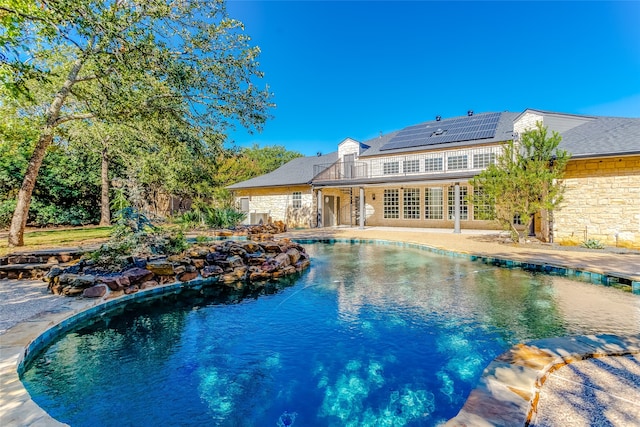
[(71, 117)]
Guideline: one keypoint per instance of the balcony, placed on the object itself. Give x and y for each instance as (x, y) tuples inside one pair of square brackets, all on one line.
[(443, 162)]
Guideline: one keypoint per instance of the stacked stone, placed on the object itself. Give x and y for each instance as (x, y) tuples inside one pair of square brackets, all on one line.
[(227, 263)]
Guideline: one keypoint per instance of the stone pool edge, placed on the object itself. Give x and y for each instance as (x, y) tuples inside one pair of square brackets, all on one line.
[(29, 337)]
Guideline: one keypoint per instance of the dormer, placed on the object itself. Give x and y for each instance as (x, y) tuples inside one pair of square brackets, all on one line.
[(350, 147)]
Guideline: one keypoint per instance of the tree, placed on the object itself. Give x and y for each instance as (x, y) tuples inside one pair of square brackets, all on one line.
[(125, 60), (525, 179)]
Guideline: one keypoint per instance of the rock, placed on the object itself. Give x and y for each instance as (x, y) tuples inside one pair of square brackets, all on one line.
[(53, 272), (71, 291), (259, 276), (187, 275), (137, 275), (149, 284), (272, 247), (83, 281), (235, 261), (131, 289), (237, 250), (161, 267), (66, 278), (294, 255), (211, 270), (283, 259), (251, 247), (97, 291), (198, 263), (179, 269)]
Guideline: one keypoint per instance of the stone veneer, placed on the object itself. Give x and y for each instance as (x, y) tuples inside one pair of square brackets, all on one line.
[(277, 204), (601, 201)]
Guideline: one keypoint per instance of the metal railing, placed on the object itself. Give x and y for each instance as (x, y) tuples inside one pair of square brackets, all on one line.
[(452, 161)]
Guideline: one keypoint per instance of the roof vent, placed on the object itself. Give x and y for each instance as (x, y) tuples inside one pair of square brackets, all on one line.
[(438, 132), (470, 113), (438, 118)]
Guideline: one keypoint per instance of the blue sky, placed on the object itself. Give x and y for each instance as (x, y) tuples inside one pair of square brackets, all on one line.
[(357, 68)]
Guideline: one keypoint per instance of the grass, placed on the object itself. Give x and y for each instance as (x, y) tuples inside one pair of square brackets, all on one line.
[(51, 238)]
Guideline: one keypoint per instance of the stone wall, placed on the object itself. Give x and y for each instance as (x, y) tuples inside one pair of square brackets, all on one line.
[(277, 205), (601, 201), (527, 121)]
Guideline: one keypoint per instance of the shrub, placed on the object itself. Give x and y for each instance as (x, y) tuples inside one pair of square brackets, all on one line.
[(135, 235), (592, 244)]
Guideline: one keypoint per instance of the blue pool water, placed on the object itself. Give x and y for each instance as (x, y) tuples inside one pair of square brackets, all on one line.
[(370, 335)]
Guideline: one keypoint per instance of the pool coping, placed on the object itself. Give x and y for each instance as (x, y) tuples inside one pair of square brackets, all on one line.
[(507, 391)]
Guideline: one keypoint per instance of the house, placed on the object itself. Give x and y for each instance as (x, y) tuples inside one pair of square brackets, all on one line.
[(419, 177)]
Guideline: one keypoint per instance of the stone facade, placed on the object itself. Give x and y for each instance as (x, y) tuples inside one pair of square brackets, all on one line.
[(527, 121), (601, 201), (277, 204)]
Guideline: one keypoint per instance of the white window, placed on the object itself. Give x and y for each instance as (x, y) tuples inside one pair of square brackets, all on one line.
[(464, 204), (297, 199), (481, 161), (433, 164), (411, 166), (433, 203), (390, 204), (457, 162), (411, 205), (390, 168)]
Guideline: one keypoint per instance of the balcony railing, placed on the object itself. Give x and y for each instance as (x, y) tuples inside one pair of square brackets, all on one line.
[(453, 161)]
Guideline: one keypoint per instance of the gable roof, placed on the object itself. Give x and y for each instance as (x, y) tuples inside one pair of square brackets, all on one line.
[(603, 136), (298, 171)]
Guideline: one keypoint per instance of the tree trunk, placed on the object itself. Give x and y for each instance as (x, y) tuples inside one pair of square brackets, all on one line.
[(20, 215), (105, 213)]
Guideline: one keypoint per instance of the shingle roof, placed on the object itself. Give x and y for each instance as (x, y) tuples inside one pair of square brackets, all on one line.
[(600, 136), (297, 171), (603, 136)]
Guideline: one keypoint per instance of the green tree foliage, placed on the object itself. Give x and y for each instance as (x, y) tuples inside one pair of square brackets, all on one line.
[(249, 162), (122, 61), (524, 180), (65, 191)]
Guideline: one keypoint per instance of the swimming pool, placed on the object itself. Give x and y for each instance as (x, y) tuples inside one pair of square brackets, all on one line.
[(369, 335)]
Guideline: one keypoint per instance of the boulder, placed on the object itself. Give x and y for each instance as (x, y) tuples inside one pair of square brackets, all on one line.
[(138, 275), (235, 261), (272, 247), (160, 267), (97, 291), (149, 284), (198, 263), (294, 255), (283, 260), (131, 289), (83, 281), (211, 270), (187, 275)]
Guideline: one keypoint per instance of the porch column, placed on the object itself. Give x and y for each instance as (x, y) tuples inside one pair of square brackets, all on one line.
[(456, 204), (362, 212), (319, 209)]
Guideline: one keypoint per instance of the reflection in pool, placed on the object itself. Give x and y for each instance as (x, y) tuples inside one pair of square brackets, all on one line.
[(369, 335)]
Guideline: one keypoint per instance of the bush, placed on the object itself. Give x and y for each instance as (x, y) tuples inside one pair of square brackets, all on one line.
[(226, 217), (134, 235), (6, 212), (592, 244)]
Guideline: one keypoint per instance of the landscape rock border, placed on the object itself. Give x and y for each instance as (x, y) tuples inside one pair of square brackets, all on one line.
[(226, 262)]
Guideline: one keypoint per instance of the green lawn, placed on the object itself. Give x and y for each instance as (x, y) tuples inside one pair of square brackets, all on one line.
[(42, 239)]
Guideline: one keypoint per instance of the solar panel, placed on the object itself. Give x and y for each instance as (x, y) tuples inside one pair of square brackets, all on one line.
[(468, 128)]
